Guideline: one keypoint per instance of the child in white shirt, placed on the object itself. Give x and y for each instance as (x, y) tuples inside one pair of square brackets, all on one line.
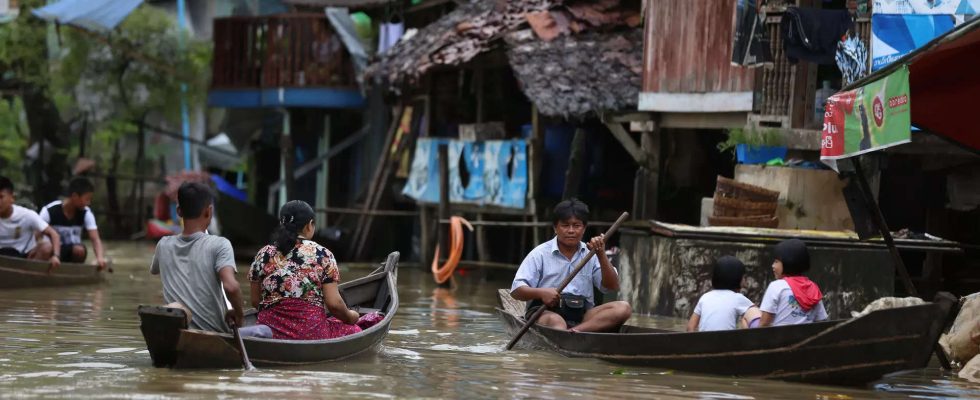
[(724, 308), (792, 298)]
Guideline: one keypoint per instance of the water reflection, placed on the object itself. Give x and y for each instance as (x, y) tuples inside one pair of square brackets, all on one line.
[(85, 342)]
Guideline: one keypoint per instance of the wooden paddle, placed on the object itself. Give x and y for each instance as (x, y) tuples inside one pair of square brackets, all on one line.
[(241, 349), (568, 279), (238, 338)]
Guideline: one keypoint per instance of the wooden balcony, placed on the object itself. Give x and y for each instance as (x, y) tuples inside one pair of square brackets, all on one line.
[(279, 51), (785, 92)]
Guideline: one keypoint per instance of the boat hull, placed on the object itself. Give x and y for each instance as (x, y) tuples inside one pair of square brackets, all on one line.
[(171, 344), (846, 352), (22, 273)]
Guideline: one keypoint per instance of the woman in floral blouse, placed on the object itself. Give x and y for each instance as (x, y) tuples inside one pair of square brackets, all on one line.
[(294, 283)]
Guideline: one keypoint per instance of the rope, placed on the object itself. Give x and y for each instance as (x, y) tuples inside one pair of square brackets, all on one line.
[(441, 274)]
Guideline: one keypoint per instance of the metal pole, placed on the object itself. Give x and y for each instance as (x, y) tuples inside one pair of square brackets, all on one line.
[(323, 175), (879, 220), (284, 164), (185, 124)]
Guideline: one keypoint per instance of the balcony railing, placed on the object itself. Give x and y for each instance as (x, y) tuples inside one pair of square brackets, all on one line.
[(288, 50)]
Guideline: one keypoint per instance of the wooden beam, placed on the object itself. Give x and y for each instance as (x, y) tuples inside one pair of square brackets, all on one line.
[(536, 156), (647, 183), (627, 141), (628, 117), (573, 173), (696, 102), (702, 120)]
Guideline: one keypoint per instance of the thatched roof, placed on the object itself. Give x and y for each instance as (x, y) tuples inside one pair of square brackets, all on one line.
[(576, 75), (454, 39), (565, 66), (355, 4)]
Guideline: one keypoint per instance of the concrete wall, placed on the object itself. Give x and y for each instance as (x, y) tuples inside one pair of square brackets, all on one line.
[(666, 276)]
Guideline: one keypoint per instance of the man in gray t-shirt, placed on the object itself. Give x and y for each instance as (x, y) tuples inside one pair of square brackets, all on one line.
[(189, 267), (196, 267)]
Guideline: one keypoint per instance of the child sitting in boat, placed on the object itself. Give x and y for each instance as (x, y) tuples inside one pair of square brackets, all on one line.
[(294, 278), (792, 298), (724, 308)]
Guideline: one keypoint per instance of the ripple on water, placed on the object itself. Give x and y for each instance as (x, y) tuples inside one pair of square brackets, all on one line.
[(227, 387), (478, 349), (102, 365), (115, 350), (399, 352)]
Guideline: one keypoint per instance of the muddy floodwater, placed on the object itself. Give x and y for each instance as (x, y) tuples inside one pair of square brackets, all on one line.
[(85, 342)]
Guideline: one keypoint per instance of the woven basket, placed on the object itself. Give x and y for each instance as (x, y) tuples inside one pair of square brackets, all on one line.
[(733, 189), (730, 207), (752, 222)]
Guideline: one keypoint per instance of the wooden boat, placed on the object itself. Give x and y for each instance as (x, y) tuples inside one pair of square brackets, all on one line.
[(843, 352), (22, 273), (172, 344)]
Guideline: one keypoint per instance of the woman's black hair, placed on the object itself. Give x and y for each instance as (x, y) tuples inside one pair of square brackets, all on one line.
[(293, 216), (570, 208), (727, 274), (794, 256)]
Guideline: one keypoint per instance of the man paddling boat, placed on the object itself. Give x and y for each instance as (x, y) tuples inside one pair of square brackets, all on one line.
[(198, 269), (544, 268)]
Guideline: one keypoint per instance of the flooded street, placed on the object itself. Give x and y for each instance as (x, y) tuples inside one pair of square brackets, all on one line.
[(85, 342)]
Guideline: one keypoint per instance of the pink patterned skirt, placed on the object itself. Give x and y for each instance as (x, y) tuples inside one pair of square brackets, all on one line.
[(296, 319)]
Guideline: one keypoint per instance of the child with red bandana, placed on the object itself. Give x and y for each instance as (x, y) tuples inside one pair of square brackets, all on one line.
[(792, 298)]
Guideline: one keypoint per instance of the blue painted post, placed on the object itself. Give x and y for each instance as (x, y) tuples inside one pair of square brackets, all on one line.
[(185, 123)]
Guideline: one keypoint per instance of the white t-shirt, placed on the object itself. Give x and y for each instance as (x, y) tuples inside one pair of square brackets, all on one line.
[(18, 231), (779, 300), (720, 310)]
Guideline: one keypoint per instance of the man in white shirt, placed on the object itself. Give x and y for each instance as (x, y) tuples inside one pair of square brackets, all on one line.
[(19, 226)]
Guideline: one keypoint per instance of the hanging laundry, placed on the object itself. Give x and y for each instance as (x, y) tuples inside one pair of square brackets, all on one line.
[(811, 34), (852, 59), (389, 35), (750, 46)]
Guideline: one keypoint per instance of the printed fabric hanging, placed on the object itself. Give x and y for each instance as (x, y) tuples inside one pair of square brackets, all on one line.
[(750, 45), (852, 59)]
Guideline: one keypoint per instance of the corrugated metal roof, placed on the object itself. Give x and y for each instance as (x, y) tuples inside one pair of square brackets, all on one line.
[(96, 15)]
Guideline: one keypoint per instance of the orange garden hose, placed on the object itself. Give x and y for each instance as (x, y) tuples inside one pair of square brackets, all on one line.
[(441, 274)]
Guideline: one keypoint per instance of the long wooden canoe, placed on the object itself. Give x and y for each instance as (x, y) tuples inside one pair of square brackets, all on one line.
[(22, 273), (844, 352), (172, 344)]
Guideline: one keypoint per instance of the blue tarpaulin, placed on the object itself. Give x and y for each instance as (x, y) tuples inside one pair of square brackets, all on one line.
[(95, 15)]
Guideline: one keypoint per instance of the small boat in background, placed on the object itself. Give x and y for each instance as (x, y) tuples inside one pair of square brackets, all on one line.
[(844, 352), (23, 273), (172, 344)]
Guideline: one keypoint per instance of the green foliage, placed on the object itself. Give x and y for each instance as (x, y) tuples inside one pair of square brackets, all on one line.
[(22, 46), (751, 137), (13, 136), (138, 69)]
